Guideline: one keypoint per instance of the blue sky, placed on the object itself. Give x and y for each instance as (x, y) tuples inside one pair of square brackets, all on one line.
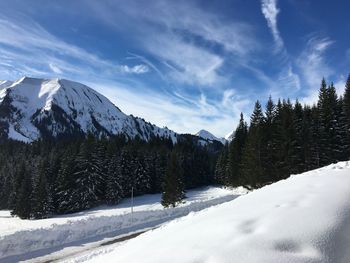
[(187, 65)]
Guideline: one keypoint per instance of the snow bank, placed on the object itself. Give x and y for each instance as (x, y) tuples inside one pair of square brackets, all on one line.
[(305, 218), (23, 236)]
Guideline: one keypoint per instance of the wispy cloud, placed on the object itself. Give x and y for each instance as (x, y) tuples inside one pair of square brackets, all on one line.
[(288, 80), (177, 27), (312, 60), (137, 69), (193, 66), (270, 12), (314, 66), (148, 63), (24, 42), (178, 112), (55, 68)]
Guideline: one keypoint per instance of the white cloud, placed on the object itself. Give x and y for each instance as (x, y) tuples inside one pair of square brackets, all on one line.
[(55, 68), (176, 111), (227, 97), (270, 12), (137, 69), (312, 60), (24, 42), (314, 66), (193, 65), (186, 61)]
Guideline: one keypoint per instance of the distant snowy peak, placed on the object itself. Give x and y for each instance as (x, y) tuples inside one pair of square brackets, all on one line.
[(229, 137), (33, 108), (209, 136)]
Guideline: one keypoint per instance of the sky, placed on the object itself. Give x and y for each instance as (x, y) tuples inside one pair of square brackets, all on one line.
[(186, 65)]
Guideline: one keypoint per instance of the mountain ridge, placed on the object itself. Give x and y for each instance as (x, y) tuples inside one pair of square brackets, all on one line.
[(33, 108)]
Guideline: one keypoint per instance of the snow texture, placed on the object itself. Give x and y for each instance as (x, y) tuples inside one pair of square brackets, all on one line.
[(305, 218), (34, 98), (23, 236)]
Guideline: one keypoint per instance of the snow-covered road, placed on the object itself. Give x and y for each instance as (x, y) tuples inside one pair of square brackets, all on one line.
[(25, 239)]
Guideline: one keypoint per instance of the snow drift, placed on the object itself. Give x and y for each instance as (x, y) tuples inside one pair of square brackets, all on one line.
[(305, 218)]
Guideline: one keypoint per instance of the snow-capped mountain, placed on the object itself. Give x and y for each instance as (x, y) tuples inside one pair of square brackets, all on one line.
[(209, 136), (33, 108), (229, 137)]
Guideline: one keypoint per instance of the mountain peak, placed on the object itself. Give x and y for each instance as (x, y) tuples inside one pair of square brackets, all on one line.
[(209, 136)]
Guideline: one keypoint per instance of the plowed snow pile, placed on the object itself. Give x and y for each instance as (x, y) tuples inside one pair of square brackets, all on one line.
[(23, 236)]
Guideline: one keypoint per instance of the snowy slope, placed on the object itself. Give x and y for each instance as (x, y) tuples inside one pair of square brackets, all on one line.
[(229, 137), (54, 107), (209, 136), (3, 85), (22, 236), (305, 218)]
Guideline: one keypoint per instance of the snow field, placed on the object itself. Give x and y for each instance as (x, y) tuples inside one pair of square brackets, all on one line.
[(305, 218)]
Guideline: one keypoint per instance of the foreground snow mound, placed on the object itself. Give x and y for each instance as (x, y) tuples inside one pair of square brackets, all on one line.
[(23, 236), (305, 218)]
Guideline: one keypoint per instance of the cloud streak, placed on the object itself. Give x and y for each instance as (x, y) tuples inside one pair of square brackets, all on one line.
[(270, 12), (137, 69), (177, 27), (179, 113), (314, 66)]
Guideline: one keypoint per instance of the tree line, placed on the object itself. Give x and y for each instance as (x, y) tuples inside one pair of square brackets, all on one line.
[(46, 177), (287, 138), (49, 177)]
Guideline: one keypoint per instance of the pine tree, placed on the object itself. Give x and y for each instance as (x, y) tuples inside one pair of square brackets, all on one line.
[(347, 100), (24, 194), (252, 166), (114, 182), (65, 183), (235, 152), (173, 190), (221, 167), (341, 141), (306, 139), (125, 170), (315, 138), (267, 141), (298, 147), (140, 178), (346, 116), (88, 177), (41, 201), (327, 105)]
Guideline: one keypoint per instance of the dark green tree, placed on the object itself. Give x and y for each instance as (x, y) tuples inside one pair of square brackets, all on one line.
[(173, 189), (252, 161), (24, 193), (114, 181), (235, 151)]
